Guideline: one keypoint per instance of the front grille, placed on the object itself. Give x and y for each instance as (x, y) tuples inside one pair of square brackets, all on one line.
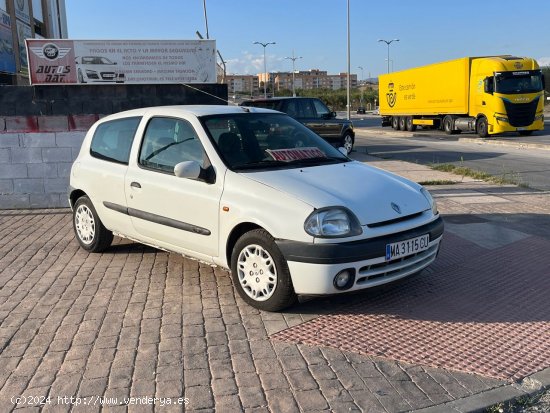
[(521, 114), (387, 270), (108, 75), (393, 221)]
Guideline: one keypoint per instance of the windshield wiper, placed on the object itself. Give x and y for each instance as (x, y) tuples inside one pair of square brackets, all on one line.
[(162, 149), (260, 164), (319, 159)]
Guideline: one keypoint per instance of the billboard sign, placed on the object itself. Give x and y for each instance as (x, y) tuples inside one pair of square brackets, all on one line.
[(7, 54), (22, 11), (24, 31), (121, 61)]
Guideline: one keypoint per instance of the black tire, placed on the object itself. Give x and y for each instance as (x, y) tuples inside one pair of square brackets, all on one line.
[(525, 132), (402, 123), (395, 122), (448, 125), (409, 124), (347, 142), (482, 127), (256, 245), (88, 228)]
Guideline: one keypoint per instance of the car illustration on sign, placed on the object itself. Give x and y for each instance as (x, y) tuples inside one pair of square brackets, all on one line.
[(254, 191), (93, 69)]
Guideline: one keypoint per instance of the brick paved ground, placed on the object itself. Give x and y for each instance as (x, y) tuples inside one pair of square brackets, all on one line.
[(135, 321)]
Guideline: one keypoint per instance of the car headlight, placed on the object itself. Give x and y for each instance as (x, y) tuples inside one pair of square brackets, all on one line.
[(92, 74), (332, 222), (430, 199)]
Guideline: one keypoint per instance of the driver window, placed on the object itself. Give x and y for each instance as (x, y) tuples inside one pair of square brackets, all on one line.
[(169, 141), (322, 110)]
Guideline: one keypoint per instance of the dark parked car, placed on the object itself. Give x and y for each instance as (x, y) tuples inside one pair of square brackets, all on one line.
[(361, 110), (315, 115)]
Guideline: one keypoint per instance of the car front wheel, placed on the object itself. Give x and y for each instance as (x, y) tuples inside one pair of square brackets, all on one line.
[(88, 228), (260, 272), (347, 143)]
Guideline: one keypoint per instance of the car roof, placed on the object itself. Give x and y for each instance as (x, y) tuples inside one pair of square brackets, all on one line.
[(277, 98), (196, 110)]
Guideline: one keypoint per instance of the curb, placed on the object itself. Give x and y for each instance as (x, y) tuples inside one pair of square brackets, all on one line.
[(480, 402), (486, 141)]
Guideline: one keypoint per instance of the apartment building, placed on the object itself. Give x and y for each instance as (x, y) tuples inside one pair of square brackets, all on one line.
[(308, 79), (26, 19), (242, 84)]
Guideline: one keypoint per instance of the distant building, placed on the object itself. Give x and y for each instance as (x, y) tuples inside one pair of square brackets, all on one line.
[(24, 19), (242, 84), (308, 79)]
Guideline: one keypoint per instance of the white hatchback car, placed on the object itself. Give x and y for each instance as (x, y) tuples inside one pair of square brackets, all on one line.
[(254, 191)]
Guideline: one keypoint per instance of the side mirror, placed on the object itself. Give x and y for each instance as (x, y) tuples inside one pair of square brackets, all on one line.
[(489, 85), (332, 114), (187, 169)]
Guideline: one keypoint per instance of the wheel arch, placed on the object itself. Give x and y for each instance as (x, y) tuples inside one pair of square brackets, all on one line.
[(74, 195), (235, 234)]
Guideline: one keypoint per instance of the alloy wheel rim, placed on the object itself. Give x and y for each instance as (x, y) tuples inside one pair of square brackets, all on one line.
[(348, 144), (85, 224), (257, 272)]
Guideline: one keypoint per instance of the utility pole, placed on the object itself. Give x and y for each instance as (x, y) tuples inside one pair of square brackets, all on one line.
[(293, 70), (264, 45)]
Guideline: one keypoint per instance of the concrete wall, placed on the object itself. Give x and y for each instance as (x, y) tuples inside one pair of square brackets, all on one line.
[(42, 128), (35, 167)]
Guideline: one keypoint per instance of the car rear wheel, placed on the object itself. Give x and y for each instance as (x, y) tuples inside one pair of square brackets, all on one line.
[(260, 272), (347, 143), (88, 228)]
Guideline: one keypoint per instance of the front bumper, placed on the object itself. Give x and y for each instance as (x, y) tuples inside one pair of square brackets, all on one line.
[(314, 266)]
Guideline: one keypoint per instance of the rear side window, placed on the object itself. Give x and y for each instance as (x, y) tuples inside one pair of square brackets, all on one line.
[(112, 140)]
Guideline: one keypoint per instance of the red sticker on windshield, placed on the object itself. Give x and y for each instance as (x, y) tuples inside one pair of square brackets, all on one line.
[(295, 153)]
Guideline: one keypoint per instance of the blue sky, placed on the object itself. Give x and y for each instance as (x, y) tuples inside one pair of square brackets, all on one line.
[(429, 30)]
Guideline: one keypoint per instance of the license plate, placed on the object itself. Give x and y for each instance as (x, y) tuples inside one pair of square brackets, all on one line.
[(407, 247)]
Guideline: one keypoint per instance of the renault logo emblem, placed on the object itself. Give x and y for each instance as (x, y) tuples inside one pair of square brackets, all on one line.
[(396, 207)]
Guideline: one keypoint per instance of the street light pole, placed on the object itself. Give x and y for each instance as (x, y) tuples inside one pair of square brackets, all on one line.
[(349, 70), (264, 45), (388, 42), (293, 70), (361, 67)]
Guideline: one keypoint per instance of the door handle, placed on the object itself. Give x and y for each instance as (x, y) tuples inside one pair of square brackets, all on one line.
[(135, 185)]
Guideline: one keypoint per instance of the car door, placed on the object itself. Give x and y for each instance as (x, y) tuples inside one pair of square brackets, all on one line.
[(308, 116), (175, 213), (331, 127)]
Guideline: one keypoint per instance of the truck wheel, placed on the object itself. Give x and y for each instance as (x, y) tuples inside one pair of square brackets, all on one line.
[(448, 125), (403, 122), (409, 124), (260, 272), (88, 228), (395, 122), (482, 127)]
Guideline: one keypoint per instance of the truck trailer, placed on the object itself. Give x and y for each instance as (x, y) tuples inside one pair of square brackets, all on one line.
[(487, 95)]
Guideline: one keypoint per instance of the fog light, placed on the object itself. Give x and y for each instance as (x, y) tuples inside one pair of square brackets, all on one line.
[(344, 279)]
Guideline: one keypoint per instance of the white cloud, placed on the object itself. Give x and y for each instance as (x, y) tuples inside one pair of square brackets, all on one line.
[(252, 64), (544, 61)]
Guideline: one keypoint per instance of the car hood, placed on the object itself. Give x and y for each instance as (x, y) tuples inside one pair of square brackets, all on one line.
[(367, 191)]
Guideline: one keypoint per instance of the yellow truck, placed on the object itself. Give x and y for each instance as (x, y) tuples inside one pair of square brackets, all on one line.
[(488, 95)]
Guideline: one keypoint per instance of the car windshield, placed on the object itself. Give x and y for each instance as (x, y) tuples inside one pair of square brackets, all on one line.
[(259, 141), (519, 82), (95, 60)]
